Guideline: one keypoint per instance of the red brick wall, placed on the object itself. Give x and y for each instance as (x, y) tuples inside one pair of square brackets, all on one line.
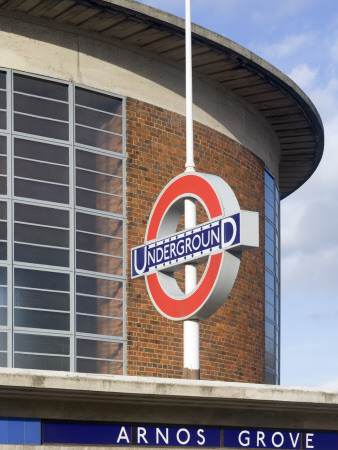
[(232, 340)]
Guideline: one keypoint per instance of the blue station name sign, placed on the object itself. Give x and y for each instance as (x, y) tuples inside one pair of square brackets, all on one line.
[(185, 246), (18, 431), (89, 433)]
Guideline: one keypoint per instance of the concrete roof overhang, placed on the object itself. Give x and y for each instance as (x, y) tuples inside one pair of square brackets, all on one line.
[(290, 113)]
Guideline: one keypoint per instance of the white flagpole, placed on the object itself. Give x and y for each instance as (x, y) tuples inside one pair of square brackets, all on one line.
[(191, 327)]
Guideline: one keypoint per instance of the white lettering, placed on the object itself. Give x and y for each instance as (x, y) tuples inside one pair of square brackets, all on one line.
[(260, 438), (164, 438), (141, 433), (159, 250), (214, 237), (180, 247), (151, 256), (137, 269), (308, 440), (199, 434), (194, 246), (294, 442), (206, 233), (234, 231), (247, 438), (166, 251), (172, 250), (273, 439), (188, 245), (178, 436), (123, 435)]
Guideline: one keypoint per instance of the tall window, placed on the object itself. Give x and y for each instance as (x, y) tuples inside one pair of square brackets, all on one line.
[(62, 226), (272, 281)]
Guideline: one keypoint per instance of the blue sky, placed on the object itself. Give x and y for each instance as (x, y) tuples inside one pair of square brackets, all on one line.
[(299, 37)]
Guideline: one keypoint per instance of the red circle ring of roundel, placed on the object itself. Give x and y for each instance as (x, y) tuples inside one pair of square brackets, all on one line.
[(201, 187)]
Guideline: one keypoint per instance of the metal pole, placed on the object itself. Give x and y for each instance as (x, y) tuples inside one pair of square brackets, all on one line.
[(191, 327)]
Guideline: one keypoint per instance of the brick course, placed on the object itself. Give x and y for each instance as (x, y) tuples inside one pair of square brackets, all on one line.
[(232, 340)]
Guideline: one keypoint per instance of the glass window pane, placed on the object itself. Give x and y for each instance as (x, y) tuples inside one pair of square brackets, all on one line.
[(3, 231), (99, 286), (31, 298), (41, 191), (103, 202), (40, 107), (41, 362), (98, 101), (269, 262), (269, 330), (3, 100), (3, 251), (41, 235), (3, 185), (269, 280), (41, 255), (270, 346), (269, 311), (3, 316), (269, 181), (269, 295), (3, 276), (97, 119), (99, 349), (99, 139), (269, 196), (99, 306), (270, 361), (41, 151), (41, 215), (270, 378), (269, 212), (3, 359), (41, 171), (3, 120), (3, 165), (30, 343), (40, 87), (3, 210), (3, 342), (98, 263), (99, 224), (41, 279), (2, 80), (99, 366), (99, 182), (3, 296), (99, 244), (41, 319), (269, 246), (99, 163), (41, 127), (3, 145), (99, 325)]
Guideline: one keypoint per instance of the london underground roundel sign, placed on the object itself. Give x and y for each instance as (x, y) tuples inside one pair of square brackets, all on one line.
[(220, 242)]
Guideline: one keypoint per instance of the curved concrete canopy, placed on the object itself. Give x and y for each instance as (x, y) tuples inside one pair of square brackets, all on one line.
[(290, 113)]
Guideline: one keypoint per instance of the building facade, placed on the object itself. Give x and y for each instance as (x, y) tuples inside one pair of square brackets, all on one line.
[(92, 127)]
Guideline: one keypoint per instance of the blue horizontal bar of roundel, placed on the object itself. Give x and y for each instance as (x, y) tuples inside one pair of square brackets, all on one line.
[(18, 431), (88, 433)]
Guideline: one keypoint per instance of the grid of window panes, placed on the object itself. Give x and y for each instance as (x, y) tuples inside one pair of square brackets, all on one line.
[(272, 281), (62, 265)]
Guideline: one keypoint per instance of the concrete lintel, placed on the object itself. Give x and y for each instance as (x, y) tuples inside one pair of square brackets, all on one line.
[(165, 391)]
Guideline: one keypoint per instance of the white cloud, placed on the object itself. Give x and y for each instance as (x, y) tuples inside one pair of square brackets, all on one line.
[(330, 385), (304, 76), (290, 45)]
